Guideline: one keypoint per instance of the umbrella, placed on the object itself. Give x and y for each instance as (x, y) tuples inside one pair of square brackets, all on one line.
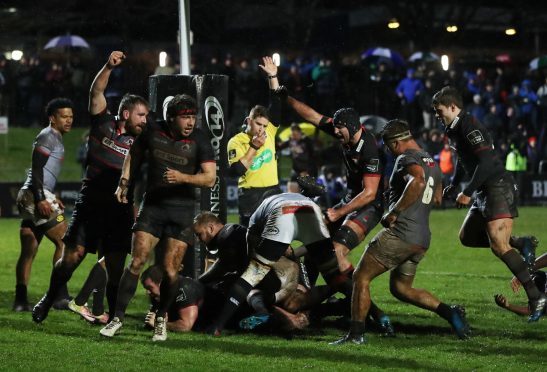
[(373, 122), (423, 57), (67, 41), (538, 63), (383, 55)]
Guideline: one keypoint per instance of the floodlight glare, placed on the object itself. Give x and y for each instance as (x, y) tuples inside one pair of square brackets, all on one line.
[(445, 62), (163, 59)]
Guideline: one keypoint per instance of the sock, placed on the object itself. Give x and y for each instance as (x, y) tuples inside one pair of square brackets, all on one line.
[(95, 279), (257, 302), (518, 267), (21, 293), (111, 298), (98, 301), (237, 295), (57, 283), (444, 311), (62, 293), (126, 291), (168, 292), (375, 312), (356, 328)]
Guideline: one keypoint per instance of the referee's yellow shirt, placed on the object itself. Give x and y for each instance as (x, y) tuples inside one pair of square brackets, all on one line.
[(263, 169)]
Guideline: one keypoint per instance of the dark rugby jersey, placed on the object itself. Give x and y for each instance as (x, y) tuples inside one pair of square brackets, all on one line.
[(107, 148), (164, 151), (472, 143), (412, 225), (361, 159)]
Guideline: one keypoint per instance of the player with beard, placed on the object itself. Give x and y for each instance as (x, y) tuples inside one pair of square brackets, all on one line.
[(99, 222), (180, 158), (361, 209), (413, 186)]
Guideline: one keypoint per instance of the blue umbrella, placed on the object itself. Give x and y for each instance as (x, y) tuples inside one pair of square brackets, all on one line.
[(424, 56), (67, 41), (383, 55)]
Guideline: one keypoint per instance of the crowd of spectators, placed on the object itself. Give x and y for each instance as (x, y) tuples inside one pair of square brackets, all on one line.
[(511, 102)]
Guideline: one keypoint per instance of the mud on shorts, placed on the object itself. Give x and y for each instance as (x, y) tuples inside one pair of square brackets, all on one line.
[(497, 200), (27, 211), (367, 218), (100, 227), (394, 253), (166, 221)]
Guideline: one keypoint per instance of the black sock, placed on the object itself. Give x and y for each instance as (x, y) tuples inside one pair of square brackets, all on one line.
[(126, 291), (257, 302), (62, 293), (237, 295), (168, 292), (518, 267), (375, 312), (111, 297), (21, 293), (357, 327), (57, 283), (95, 279), (98, 301), (444, 311)]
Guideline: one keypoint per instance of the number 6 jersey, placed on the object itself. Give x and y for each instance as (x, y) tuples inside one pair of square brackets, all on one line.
[(412, 225)]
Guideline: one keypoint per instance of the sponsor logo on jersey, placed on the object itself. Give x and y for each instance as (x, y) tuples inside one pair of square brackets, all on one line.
[(181, 160), (373, 165), (265, 157), (475, 137), (112, 145), (429, 162), (181, 296)]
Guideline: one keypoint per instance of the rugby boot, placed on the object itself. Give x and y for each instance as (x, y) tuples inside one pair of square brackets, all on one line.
[(386, 327), (41, 309), (160, 329), (82, 310), (111, 328), (459, 322), (150, 320), (350, 338), (253, 321), (537, 308), (526, 245), (100, 319)]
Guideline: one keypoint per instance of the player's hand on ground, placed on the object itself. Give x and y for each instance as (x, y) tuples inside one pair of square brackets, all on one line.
[(173, 176), (501, 301), (115, 59), (121, 190), (43, 208), (268, 66), (515, 284), (388, 220), (462, 200), (213, 330)]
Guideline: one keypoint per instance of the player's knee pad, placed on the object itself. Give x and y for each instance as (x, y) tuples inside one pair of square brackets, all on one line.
[(287, 272), (255, 272), (347, 237)]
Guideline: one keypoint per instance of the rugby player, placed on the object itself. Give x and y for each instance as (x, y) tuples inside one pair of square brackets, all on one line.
[(99, 222), (40, 209), (489, 221), (361, 209), (414, 186), (180, 158)]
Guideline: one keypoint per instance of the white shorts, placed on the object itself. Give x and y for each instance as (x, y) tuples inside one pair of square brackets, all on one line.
[(296, 221), (27, 207)]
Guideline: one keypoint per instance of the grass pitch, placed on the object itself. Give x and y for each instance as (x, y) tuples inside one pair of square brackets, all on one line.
[(501, 340)]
